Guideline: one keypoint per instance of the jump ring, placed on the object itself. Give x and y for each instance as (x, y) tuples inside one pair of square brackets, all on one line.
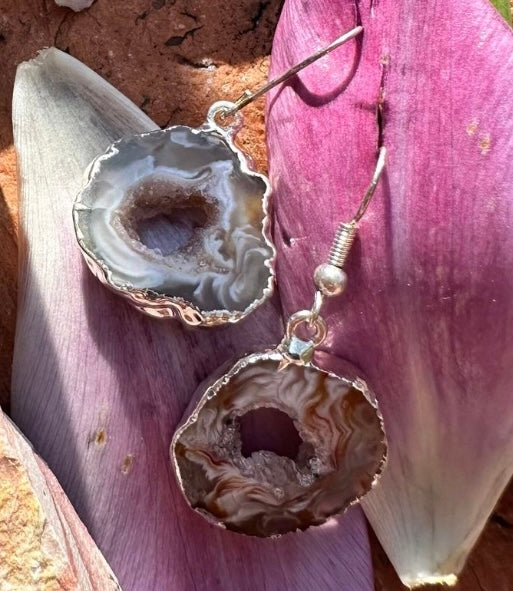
[(222, 108), (305, 316)]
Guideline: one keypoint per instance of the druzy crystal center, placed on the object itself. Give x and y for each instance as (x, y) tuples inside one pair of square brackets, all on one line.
[(269, 429), (165, 219)]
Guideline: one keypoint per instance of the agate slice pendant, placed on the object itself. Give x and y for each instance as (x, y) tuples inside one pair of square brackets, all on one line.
[(341, 454), (176, 221), (341, 450)]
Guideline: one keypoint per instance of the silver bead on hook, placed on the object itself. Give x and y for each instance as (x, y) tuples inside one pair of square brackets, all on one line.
[(329, 277)]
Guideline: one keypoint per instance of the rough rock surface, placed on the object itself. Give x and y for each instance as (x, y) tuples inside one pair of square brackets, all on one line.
[(214, 50), (43, 544)]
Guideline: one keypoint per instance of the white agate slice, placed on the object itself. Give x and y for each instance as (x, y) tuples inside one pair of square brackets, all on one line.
[(176, 217)]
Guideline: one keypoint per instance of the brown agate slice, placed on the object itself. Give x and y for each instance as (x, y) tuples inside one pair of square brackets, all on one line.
[(341, 453)]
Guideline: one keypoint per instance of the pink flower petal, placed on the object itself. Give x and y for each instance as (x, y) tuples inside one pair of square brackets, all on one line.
[(428, 314)]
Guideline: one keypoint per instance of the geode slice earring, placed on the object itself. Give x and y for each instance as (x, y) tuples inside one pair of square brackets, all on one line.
[(176, 220), (342, 450)]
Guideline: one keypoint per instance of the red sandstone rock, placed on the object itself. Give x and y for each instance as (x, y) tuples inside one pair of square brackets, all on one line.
[(43, 544)]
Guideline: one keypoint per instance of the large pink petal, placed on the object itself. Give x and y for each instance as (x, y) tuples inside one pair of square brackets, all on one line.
[(428, 314), (99, 388)]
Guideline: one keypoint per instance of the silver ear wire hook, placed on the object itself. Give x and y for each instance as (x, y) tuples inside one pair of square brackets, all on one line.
[(329, 278), (249, 96), (346, 231)]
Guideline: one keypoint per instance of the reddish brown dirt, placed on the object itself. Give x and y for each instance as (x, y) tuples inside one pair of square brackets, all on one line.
[(174, 58)]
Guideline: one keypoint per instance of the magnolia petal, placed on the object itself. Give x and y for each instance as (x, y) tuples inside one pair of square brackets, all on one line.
[(99, 388), (43, 544), (428, 313)]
